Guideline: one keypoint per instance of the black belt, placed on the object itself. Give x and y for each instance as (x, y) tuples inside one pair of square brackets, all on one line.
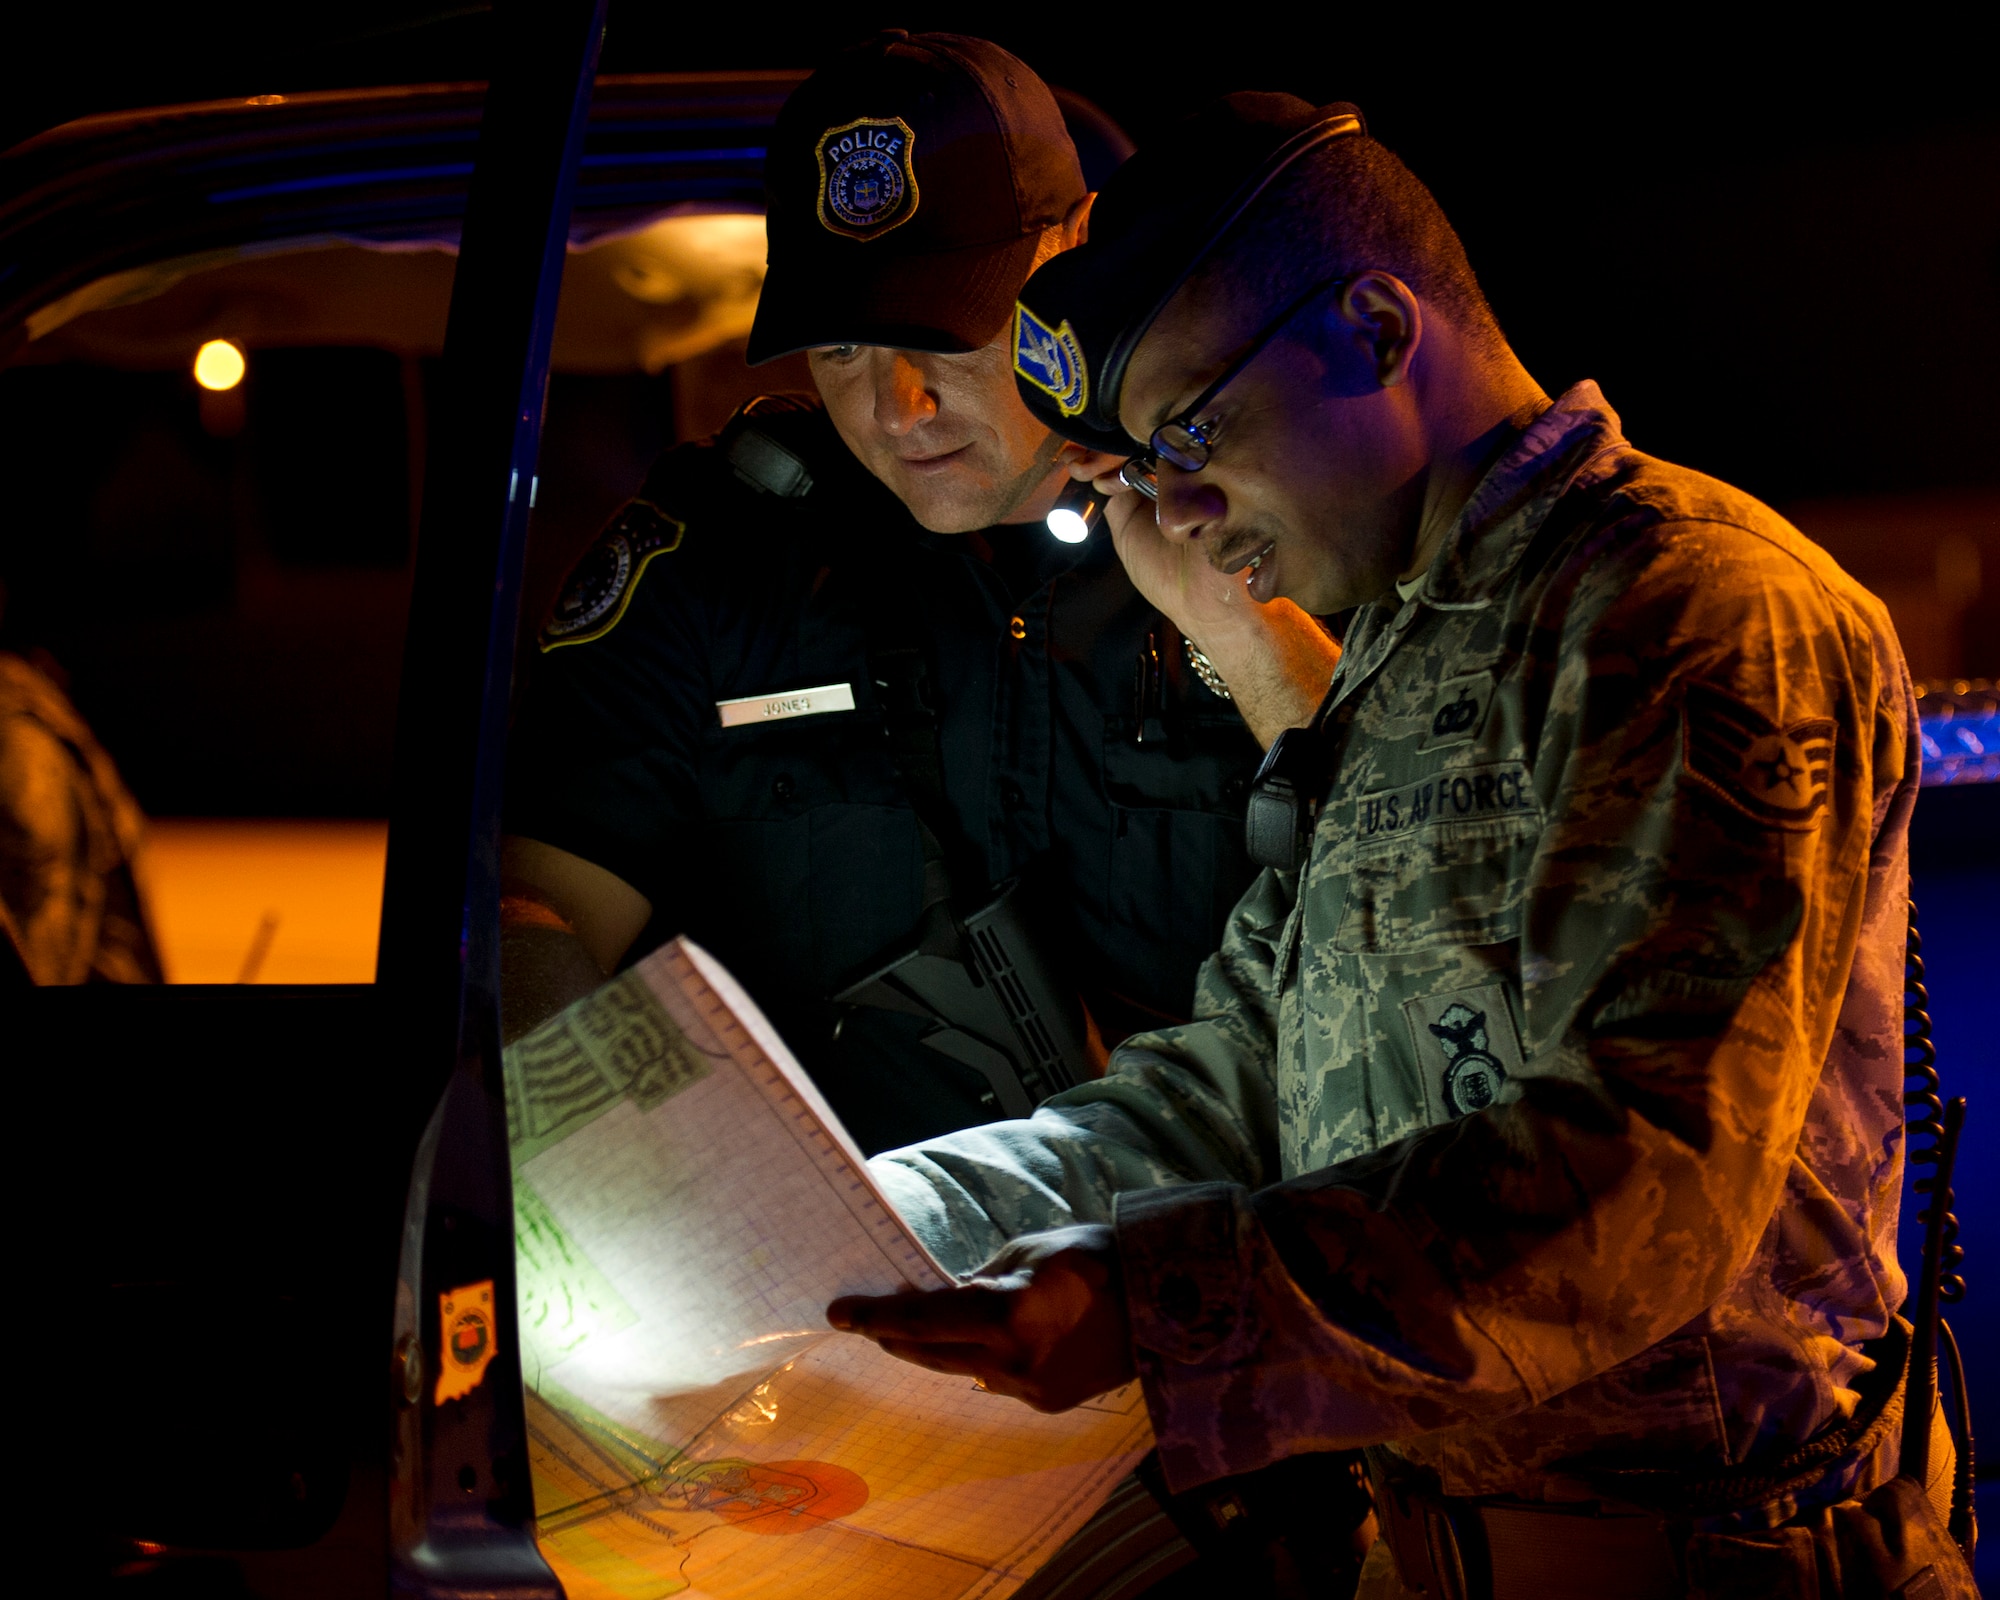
[(1453, 1548)]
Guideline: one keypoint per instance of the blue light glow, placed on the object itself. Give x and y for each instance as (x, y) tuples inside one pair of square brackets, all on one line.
[(1960, 725)]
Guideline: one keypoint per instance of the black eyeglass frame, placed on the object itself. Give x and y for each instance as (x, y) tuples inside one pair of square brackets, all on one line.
[(1141, 472)]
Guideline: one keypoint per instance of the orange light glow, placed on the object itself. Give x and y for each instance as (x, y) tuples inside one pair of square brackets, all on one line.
[(218, 365), (235, 901)]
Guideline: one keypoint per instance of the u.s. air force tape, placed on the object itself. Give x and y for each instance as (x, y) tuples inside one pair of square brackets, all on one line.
[(788, 703)]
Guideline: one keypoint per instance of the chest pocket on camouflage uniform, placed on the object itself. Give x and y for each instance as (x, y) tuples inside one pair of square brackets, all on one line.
[(1441, 860)]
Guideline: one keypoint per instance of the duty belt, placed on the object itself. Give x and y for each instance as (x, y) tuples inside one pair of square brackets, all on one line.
[(1631, 1544), (1452, 1549)]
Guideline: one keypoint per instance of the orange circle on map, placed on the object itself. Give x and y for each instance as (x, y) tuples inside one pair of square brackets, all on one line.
[(793, 1497)]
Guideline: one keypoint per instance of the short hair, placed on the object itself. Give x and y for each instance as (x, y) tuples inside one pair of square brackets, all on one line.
[(1349, 206)]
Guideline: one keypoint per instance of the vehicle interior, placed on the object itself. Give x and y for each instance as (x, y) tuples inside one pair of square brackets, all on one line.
[(218, 437)]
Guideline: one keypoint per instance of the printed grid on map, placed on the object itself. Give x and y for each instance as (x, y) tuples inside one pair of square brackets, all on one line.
[(696, 1427), (968, 1493), (972, 1475)]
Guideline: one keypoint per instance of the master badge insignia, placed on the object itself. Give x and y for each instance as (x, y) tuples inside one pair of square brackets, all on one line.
[(601, 584), (1458, 711), (1466, 1043), (1052, 360), (1774, 776), (866, 183), (470, 1340)]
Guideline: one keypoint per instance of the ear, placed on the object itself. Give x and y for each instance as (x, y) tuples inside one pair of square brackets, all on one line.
[(1385, 319), (1076, 225), (1083, 463)]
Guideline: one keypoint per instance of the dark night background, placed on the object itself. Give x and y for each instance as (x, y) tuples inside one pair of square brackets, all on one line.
[(1774, 241), (1776, 244)]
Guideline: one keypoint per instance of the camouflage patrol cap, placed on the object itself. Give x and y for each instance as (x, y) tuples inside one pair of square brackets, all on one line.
[(1162, 214)]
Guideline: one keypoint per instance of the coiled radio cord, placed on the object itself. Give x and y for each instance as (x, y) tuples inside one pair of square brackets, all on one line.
[(1933, 1126)]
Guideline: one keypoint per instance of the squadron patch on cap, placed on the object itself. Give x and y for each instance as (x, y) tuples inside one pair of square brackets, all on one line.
[(1052, 360), (601, 584), (866, 183)]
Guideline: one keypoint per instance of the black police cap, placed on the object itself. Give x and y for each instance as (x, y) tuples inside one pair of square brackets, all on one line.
[(1083, 313), (910, 181)]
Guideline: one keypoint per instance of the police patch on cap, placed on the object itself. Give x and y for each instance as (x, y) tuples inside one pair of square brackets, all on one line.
[(866, 183), (601, 584), (1772, 775), (1052, 360)]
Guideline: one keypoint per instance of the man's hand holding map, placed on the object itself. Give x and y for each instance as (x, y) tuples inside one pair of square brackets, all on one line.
[(687, 1205)]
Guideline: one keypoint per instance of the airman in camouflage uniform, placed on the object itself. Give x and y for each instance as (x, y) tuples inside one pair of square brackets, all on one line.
[(1543, 1133), (1554, 1108)]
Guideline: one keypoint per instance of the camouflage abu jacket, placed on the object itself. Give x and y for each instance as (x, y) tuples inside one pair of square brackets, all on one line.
[(70, 833), (1551, 1118)]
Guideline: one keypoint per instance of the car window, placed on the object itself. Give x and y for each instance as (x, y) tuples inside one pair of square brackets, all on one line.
[(214, 472)]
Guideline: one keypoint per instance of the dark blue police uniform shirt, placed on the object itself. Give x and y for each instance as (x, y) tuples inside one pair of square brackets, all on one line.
[(790, 848)]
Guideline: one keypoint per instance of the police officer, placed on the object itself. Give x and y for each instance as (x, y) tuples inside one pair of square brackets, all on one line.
[(828, 697), (1540, 1127)]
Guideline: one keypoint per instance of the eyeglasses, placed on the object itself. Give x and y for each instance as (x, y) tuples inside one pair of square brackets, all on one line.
[(1185, 441)]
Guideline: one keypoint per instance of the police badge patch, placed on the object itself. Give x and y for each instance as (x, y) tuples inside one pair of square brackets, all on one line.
[(1772, 775), (866, 182), (1466, 1044), (1052, 360), (600, 586)]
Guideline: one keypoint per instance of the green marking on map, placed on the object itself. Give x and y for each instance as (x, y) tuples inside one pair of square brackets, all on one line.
[(614, 1044), (565, 1301)]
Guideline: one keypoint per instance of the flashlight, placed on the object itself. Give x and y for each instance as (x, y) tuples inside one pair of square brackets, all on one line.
[(1075, 514), (1139, 473)]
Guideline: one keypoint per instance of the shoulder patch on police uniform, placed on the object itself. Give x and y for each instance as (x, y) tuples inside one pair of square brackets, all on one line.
[(866, 182), (1466, 1044), (1459, 710), (600, 586), (1777, 777), (1052, 360)]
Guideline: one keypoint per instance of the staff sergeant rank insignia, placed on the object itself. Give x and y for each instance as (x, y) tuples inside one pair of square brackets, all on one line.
[(1051, 359), (1772, 775), (866, 183)]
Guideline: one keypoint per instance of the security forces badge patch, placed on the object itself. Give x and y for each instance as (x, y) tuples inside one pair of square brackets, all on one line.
[(1774, 776), (1466, 1044), (1052, 360), (600, 586), (866, 182)]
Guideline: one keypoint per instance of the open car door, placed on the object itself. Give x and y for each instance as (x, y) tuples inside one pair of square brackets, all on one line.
[(261, 1200)]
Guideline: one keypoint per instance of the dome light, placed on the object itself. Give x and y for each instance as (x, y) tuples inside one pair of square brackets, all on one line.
[(218, 365)]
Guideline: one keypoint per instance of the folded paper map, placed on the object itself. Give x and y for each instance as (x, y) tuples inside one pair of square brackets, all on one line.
[(686, 1205)]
